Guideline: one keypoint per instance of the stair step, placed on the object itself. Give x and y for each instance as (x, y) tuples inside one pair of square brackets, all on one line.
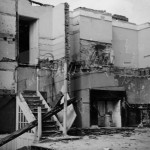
[(29, 92), (35, 109), (34, 105), (50, 133), (49, 128), (58, 133), (49, 122), (31, 97), (37, 102)]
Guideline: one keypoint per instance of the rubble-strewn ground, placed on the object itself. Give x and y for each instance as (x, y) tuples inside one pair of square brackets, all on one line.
[(138, 139)]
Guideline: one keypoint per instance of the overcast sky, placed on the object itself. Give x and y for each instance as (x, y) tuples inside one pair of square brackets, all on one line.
[(138, 11)]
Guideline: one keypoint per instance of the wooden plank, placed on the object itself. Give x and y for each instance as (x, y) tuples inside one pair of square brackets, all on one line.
[(31, 125)]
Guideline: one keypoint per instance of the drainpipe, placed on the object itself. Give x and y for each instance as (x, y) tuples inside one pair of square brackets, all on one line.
[(67, 51), (39, 124), (37, 80), (65, 100)]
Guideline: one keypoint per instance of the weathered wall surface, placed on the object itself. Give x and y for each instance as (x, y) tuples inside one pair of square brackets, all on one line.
[(27, 81), (74, 36), (58, 31), (95, 25), (125, 44), (137, 89), (7, 44), (93, 80), (144, 47), (82, 108)]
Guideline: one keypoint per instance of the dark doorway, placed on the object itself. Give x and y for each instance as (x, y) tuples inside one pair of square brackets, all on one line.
[(105, 105), (26, 31), (24, 27)]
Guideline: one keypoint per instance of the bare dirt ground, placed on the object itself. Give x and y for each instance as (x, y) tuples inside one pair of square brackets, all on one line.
[(138, 139)]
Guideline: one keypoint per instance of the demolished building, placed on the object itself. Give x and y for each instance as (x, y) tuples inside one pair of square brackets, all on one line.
[(108, 66), (116, 85), (110, 62), (34, 39)]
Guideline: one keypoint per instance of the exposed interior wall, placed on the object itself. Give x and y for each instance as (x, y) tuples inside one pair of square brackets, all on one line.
[(116, 115), (125, 44), (74, 36), (144, 47), (111, 116), (94, 54), (34, 42), (27, 80), (105, 106), (7, 44)]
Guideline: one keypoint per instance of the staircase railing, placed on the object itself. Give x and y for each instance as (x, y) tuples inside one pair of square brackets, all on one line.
[(24, 114), (49, 109)]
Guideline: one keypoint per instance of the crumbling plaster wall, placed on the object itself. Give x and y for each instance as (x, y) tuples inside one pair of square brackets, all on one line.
[(144, 46), (89, 25), (125, 44), (88, 54), (7, 44)]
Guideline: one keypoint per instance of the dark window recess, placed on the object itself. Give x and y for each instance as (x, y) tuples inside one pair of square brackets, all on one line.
[(24, 26)]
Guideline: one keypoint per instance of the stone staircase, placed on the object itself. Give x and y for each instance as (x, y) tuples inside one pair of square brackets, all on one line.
[(49, 127)]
